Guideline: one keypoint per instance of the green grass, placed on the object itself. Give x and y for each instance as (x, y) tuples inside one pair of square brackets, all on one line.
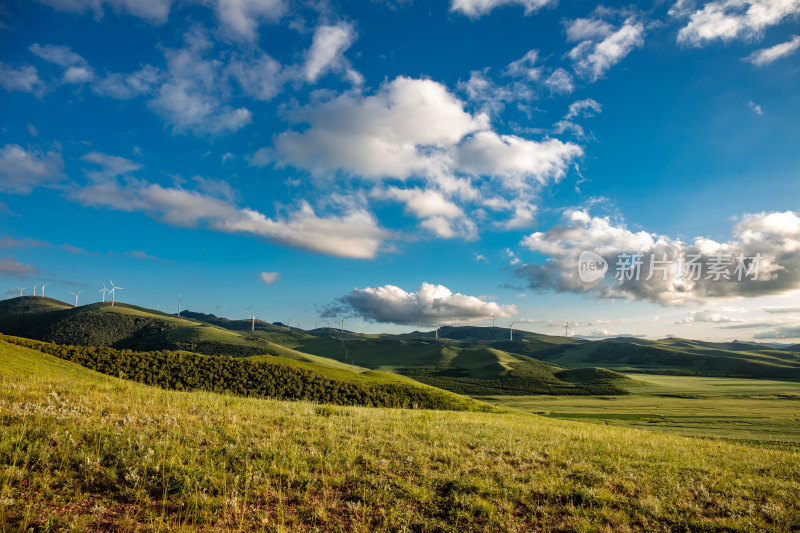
[(733, 409), (80, 450)]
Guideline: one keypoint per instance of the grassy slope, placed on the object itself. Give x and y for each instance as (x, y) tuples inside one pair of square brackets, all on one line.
[(726, 408), (86, 451)]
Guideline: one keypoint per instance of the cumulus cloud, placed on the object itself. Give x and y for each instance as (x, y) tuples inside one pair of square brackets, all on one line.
[(260, 76), (269, 277), (354, 233), (765, 56), (727, 20), (592, 58), (191, 98), (24, 78), (241, 18), (76, 69), (429, 305), (478, 8), (413, 128), (679, 272), (131, 85), (327, 48), (22, 170), (560, 82), (401, 130), (437, 214)]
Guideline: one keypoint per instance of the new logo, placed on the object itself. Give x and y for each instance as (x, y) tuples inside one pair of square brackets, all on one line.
[(591, 267)]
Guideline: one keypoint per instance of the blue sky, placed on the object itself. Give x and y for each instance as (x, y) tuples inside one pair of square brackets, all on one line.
[(401, 164)]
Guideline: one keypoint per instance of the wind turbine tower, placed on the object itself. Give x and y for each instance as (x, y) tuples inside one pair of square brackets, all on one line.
[(217, 308), (437, 330), (511, 331), (43, 286), (104, 291), (21, 289), (76, 297), (179, 305), (566, 329), (114, 288), (493, 321)]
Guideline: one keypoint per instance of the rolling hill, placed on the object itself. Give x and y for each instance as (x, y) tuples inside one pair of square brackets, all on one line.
[(84, 451), (466, 360)]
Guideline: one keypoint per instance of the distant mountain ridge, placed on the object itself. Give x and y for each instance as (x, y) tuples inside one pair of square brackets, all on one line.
[(466, 359)]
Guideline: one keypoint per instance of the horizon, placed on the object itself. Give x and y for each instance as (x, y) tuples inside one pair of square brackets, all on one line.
[(401, 165)]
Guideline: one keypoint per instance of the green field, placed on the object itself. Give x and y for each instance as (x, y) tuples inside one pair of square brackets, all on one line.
[(736, 409), (84, 451)]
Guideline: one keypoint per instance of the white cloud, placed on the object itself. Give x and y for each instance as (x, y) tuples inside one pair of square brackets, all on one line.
[(62, 56), (327, 48), (269, 277), (402, 130), (592, 58), (582, 29), (727, 20), (241, 18), (111, 166), (526, 66), (191, 98), (765, 56), (24, 78), (755, 107), (587, 108), (354, 233), (22, 170), (775, 236), (560, 82), (126, 86), (154, 11), (477, 8), (260, 77), (76, 69), (430, 304), (709, 316), (516, 162)]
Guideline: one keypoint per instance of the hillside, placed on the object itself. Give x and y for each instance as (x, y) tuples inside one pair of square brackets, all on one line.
[(84, 451), (264, 377)]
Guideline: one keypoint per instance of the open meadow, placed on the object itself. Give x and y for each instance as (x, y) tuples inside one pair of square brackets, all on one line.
[(81, 450), (756, 410)]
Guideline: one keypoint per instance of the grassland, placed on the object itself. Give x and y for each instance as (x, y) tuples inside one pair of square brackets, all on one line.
[(81, 450), (762, 411)]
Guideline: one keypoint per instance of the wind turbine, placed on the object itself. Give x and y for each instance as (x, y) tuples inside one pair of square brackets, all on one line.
[(437, 330), (217, 308), (493, 320), (179, 304), (34, 290), (114, 288), (511, 331), (252, 317), (104, 291), (76, 297), (43, 286), (566, 329), (21, 289)]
